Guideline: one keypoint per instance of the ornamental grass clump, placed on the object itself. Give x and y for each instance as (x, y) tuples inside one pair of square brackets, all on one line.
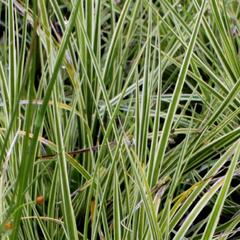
[(119, 119)]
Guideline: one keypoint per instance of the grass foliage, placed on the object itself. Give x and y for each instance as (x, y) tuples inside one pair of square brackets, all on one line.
[(119, 119)]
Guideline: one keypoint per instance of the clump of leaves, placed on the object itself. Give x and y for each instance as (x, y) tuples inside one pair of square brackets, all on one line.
[(119, 119)]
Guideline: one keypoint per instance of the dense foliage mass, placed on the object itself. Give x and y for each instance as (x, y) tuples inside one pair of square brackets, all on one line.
[(119, 119)]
